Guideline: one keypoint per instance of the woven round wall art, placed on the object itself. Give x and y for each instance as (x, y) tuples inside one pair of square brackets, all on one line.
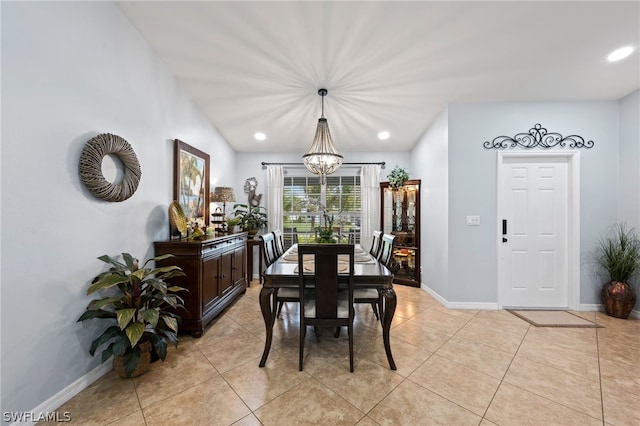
[(91, 158)]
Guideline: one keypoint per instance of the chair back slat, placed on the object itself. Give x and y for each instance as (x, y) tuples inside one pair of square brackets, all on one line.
[(376, 244), (387, 249), (268, 248), (278, 242)]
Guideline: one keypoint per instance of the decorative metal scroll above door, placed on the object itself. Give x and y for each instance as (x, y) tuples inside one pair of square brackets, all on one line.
[(538, 137)]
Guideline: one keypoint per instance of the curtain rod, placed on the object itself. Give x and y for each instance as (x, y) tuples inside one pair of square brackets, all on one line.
[(264, 164)]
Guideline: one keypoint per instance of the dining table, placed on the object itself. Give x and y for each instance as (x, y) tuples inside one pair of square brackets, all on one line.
[(369, 273)]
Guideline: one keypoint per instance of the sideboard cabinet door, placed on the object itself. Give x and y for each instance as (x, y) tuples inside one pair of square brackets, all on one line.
[(213, 278)]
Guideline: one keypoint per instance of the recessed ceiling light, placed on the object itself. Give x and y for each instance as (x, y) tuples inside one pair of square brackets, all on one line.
[(383, 135), (260, 136), (619, 54)]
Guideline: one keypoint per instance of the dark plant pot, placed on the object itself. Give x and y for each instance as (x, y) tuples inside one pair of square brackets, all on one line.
[(618, 299), (252, 232), (144, 363)]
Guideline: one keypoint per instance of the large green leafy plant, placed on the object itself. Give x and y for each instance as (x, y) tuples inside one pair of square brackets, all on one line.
[(252, 218), (140, 310)]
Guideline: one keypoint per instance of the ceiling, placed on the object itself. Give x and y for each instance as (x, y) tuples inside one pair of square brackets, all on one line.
[(257, 66)]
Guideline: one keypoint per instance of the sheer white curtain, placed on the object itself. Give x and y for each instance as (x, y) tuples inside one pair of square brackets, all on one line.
[(370, 198), (275, 185)]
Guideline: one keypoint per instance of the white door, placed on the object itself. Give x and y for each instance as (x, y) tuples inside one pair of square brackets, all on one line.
[(534, 212)]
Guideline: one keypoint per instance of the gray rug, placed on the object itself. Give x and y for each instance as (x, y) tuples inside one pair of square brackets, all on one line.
[(541, 318)]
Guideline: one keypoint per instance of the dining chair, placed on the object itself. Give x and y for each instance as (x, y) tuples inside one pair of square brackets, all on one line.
[(371, 296), (278, 242), (270, 250), (324, 302)]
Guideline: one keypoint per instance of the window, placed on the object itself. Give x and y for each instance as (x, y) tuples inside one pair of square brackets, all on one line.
[(303, 202)]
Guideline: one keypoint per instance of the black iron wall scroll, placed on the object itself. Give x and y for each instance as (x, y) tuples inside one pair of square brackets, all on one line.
[(538, 137)]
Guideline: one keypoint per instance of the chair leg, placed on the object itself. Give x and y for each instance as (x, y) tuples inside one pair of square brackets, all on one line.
[(351, 347), (337, 334), (375, 311), (279, 308), (303, 330)]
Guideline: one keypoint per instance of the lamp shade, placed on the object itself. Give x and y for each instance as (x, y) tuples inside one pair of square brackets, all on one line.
[(223, 194)]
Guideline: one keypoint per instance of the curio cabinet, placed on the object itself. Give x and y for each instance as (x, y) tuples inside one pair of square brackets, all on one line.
[(400, 215)]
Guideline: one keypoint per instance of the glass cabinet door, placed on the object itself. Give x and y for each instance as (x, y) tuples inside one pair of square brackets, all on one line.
[(401, 217)]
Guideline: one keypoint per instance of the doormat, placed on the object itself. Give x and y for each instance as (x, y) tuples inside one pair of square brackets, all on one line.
[(553, 318)]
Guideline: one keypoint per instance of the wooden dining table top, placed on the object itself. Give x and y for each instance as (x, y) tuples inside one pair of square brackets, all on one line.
[(366, 274)]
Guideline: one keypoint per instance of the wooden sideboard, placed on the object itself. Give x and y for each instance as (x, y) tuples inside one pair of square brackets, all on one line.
[(216, 273)]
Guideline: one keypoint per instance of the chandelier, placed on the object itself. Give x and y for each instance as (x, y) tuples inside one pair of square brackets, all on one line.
[(322, 158)]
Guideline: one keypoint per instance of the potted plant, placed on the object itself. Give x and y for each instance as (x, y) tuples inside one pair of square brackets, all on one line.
[(138, 311), (232, 222), (252, 218), (397, 177), (619, 255)]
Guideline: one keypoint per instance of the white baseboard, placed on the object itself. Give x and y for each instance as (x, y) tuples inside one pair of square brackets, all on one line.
[(494, 306), (459, 305), (53, 403)]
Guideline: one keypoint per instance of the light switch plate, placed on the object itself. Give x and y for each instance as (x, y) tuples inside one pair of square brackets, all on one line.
[(473, 220)]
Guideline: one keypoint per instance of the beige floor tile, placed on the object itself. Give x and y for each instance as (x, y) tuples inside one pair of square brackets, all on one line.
[(444, 319), (464, 386), (582, 361), (477, 356), (309, 403), (199, 395), (228, 352), (222, 326), (503, 320), (582, 393), (209, 403), (616, 349), (582, 339), (410, 404), (364, 388), (249, 420), (620, 408), (406, 356), (367, 421), (182, 369), (420, 334), (133, 419), (108, 399), (257, 386), (515, 406), (617, 375), (617, 323), (485, 333)]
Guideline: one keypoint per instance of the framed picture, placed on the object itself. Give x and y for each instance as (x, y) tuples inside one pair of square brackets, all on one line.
[(191, 181)]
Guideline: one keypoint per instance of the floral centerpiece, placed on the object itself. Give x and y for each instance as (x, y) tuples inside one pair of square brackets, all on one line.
[(325, 233)]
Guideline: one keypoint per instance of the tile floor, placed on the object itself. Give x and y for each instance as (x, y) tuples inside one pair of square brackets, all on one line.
[(455, 367)]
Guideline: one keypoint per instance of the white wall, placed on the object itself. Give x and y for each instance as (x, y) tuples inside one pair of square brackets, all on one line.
[(629, 161), (629, 166), (472, 185), (69, 72), (430, 160)]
